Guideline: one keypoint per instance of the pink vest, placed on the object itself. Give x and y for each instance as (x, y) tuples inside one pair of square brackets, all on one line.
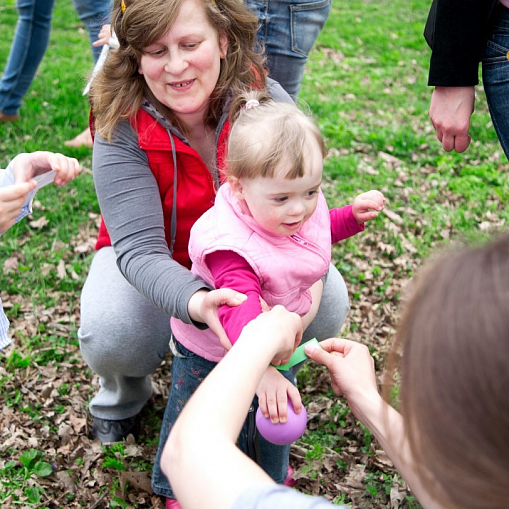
[(286, 266)]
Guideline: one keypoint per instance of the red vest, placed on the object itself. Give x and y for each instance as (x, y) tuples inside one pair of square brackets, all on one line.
[(195, 186)]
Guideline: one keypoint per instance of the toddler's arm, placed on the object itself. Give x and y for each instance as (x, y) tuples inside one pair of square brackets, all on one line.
[(316, 296), (230, 270), (343, 223), (349, 220)]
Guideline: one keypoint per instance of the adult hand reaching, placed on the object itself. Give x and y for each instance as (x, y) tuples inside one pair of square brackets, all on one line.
[(203, 306), (352, 371), (450, 112), (28, 166)]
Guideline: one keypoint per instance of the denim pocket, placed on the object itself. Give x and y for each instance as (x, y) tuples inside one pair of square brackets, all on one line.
[(307, 21), (494, 52), (495, 63)]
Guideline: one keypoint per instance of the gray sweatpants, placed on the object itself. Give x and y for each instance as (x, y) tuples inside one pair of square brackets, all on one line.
[(123, 337)]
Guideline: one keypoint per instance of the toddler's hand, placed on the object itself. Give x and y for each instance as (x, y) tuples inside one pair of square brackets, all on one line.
[(27, 166), (273, 392), (367, 205)]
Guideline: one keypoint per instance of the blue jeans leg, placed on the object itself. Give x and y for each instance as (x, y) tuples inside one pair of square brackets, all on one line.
[(288, 30), (30, 42), (495, 73), (93, 14), (187, 372)]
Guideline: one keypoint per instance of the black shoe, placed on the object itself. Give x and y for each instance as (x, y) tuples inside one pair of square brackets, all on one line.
[(108, 431)]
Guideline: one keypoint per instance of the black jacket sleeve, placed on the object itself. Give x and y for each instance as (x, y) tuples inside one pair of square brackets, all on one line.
[(456, 33)]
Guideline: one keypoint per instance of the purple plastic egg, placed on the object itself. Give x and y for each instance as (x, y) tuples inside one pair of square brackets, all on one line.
[(286, 433)]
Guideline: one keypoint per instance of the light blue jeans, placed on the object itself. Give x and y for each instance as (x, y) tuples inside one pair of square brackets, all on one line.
[(31, 40), (495, 74), (288, 30)]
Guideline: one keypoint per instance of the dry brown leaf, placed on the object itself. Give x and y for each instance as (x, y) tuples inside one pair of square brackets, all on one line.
[(39, 223)]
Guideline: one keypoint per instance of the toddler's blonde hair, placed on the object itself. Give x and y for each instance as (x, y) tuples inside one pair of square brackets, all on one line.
[(263, 135)]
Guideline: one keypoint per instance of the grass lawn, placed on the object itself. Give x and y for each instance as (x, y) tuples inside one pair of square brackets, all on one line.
[(366, 84)]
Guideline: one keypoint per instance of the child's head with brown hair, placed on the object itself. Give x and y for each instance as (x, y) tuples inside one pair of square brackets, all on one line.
[(455, 375), (275, 162)]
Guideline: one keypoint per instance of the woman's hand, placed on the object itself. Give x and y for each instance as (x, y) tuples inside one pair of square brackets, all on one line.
[(273, 392), (367, 205), (28, 166), (203, 306), (286, 319), (352, 371)]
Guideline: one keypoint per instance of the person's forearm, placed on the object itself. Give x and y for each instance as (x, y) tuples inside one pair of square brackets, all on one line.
[(387, 426), (209, 425), (131, 205)]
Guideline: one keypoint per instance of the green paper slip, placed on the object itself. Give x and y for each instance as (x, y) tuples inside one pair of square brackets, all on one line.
[(298, 356)]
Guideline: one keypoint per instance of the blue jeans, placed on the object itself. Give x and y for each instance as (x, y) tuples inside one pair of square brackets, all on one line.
[(93, 14), (187, 372), (31, 40), (288, 30), (495, 73)]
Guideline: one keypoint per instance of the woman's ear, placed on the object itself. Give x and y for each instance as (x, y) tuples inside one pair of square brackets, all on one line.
[(236, 187), (223, 45)]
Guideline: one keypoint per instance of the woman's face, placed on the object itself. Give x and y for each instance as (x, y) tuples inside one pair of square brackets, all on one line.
[(182, 67)]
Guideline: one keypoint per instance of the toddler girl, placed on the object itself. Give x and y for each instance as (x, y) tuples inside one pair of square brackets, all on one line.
[(268, 236)]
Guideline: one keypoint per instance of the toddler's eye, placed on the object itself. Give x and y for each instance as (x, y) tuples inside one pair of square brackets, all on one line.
[(312, 193), (281, 199)]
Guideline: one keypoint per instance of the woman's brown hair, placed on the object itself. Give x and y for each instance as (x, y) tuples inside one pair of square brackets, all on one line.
[(455, 375), (118, 90)]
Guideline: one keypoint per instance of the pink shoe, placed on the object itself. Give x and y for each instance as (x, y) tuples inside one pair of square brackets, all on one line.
[(171, 503), (289, 481)]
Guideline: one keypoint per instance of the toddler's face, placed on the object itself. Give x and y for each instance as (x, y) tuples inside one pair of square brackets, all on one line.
[(280, 205)]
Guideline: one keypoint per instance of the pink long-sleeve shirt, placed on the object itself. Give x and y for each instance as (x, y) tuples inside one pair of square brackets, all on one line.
[(230, 270)]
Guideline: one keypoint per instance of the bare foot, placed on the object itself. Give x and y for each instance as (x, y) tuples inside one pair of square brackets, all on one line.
[(83, 139)]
